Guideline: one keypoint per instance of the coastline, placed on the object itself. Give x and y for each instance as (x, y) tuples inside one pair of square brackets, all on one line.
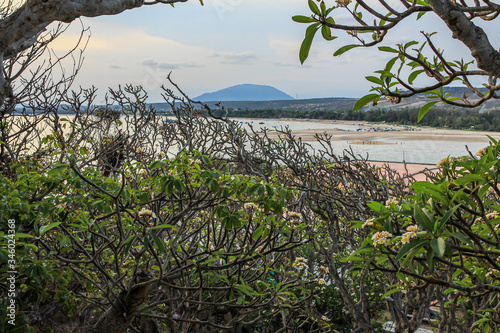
[(380, 133), (419, 145)]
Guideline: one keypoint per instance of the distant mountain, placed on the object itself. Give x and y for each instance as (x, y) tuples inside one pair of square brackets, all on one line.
[(245, 92), (332, 103)]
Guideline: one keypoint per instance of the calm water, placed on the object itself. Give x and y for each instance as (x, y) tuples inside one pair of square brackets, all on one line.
[(410, 151)]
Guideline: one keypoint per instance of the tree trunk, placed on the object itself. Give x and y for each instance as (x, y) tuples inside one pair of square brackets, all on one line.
[(471, 35), (360, 314), (119, 316)]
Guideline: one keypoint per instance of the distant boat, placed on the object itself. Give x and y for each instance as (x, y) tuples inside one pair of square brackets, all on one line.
[(261, 123)]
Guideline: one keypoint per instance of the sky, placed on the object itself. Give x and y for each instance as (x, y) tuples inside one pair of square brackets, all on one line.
[(229, 42)]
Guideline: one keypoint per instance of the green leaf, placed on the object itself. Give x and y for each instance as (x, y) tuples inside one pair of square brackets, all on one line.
[(23, 235), (303, 19), (414, 75), (323, 8), (462, 238), (377, 207), (390, 292), (422, 219), (469, 178), (374, 79), (57, 169), (306, 44), (411, 43), (206, 160), (420, 15), (327, 33), (258, 232), (388, 49), (159, 243), (390, 64), (163, 226), (364, 100), (407, 247), (344, 49), (430, 259), (46, 228), (445, 218), (439, 246), (129, 241), (83, 151), (425, 109), (314, 8)]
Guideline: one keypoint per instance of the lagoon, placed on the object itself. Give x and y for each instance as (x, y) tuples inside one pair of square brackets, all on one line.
[(380, 141)]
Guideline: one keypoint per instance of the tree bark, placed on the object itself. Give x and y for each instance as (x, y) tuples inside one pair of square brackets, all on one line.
[(487, 57), (121, 313), (35, 15), (361, 317)]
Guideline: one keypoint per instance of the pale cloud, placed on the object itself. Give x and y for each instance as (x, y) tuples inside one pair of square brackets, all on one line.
[(163, 65), (284, 46), (230, 42), (232, 58)]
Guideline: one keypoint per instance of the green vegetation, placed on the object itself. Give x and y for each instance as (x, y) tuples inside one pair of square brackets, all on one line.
[(132, 221), (444, 239), (116, 219)]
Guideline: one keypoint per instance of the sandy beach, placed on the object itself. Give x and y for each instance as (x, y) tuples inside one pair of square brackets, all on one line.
[(380, 133), (416, 170), (420, 147)]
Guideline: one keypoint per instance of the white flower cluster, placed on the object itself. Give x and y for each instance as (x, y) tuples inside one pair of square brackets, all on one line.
[(410, 234), (295, 217), (250, 207), (369, 223), (407, 281), (441, 162), (481, 152), (300, 263), (381, 237), (493, 215), (490, 216), (146, 213), (493, 274), (391, 201), (321, 281)]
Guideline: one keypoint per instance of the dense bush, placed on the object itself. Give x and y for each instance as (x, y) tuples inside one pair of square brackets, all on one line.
[(144, 223), (443, 244)]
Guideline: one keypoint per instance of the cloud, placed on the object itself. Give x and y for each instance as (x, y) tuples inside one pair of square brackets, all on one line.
[(151, 63), (279, 63), (232, 58)]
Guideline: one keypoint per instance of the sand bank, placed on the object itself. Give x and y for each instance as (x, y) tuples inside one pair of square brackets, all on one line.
[(373, 133)]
